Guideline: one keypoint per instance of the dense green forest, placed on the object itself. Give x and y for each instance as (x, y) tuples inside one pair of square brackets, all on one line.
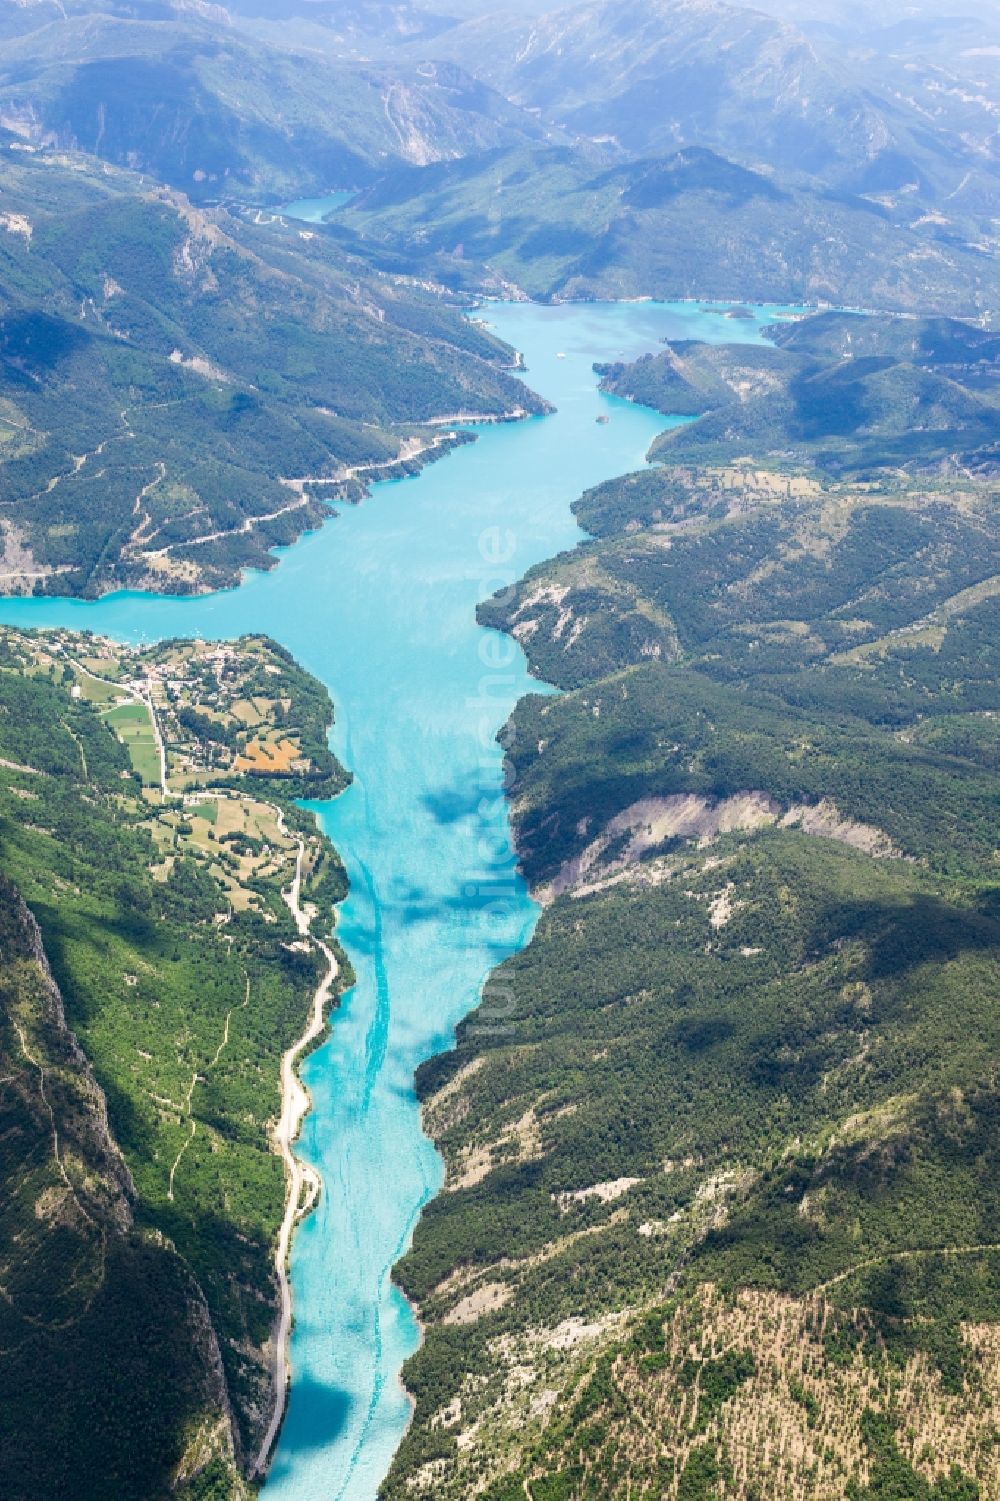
[(721, 1214), (152, 976)]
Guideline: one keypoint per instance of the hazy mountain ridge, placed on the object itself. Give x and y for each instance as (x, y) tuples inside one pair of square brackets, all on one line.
[(697, 72), (641, 79), (196, 103), (347, 27)]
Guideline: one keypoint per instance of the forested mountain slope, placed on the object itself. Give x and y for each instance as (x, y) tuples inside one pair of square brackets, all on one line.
[(172, 380), (720, 1216), (558, 224), (151, 977), (837, 392), (105, 1331)]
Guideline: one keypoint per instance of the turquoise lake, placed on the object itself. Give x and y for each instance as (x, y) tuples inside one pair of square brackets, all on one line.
[(315, 210), (380, 604)]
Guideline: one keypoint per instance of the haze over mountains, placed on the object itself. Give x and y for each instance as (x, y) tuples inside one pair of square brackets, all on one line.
[(655, 76), (754, 1255), (895, 111), (815, 151), (206, 107)]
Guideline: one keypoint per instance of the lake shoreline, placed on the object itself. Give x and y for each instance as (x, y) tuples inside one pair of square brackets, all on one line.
[(382, 609)]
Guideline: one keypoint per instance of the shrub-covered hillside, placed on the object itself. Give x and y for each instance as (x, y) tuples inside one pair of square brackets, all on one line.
[(560, 224), (721, 1215), (837, 392)]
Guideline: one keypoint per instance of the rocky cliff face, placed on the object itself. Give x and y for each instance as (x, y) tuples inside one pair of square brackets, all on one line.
[(106, 1337), (52, 1079)]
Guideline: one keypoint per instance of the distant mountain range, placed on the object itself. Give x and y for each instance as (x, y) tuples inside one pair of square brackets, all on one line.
[(867, 151), (661, 74), (191, 99), (648, 75), (259, 97)]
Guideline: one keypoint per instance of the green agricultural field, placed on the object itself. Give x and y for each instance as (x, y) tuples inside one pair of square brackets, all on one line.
[(94, 689), (134, 728)]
